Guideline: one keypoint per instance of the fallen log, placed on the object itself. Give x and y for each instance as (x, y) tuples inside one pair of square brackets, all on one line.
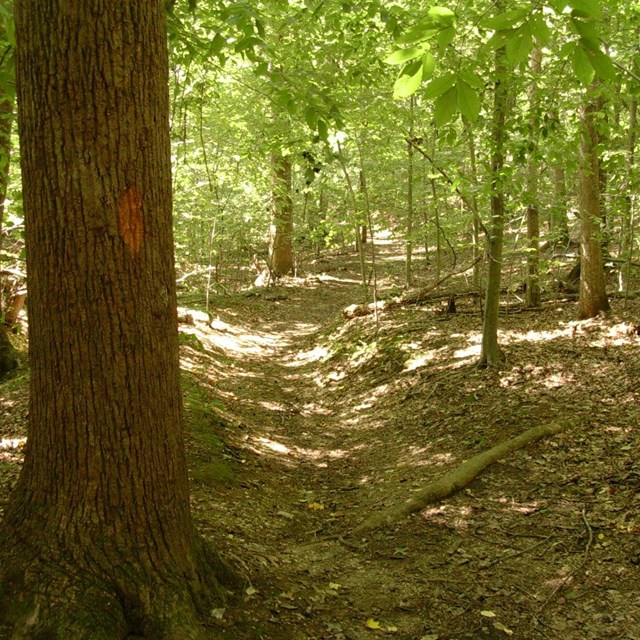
[(411, 297), (457, 479)]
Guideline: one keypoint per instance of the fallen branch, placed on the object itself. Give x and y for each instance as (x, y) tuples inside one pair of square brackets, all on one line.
[(459, 478), (413, 297)]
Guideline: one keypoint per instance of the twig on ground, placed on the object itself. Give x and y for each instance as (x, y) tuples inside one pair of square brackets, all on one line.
[(517, 553), (579, 567)]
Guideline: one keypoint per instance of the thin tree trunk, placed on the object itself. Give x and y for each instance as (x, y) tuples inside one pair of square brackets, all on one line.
[(533, 170), (627, 227), (357, 225), (281, 238), (475, 228), (410, 213), (491, 355), (593, 294), (559, 223), (97, 540)]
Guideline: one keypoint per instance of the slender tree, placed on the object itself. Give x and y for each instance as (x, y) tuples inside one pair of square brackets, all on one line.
[(593, 294), (97, 540), (491, 355), (533, 170), (281, 237)]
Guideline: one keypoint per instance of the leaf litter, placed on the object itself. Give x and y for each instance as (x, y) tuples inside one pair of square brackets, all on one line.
[(301, 424)]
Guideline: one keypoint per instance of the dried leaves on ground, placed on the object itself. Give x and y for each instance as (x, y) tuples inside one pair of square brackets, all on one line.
[(302, 424)]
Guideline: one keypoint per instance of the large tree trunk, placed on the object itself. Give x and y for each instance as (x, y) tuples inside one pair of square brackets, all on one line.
[(97, 540), (281, 241), (491, 355), (593, 294)]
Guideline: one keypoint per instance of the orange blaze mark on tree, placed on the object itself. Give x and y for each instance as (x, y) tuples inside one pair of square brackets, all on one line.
[(130, 218)]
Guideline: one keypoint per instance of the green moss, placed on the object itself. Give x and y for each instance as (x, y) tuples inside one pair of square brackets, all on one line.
[(191, 340), (212, 472)]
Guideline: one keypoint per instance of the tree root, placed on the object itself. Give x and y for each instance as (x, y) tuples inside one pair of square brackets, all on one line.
[(459, 478), (58, 600)]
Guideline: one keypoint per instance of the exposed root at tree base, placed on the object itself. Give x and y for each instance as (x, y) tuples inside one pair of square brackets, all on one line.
[(57, 601), (459, 478)]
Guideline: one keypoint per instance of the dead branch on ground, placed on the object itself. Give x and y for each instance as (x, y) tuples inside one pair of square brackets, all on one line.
[(459, 478), (412, 297)]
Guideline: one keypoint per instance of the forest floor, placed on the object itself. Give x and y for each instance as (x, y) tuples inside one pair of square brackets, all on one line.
[(302, 423)]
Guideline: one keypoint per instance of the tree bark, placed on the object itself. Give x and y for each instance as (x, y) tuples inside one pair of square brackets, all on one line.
[(491, 355), (281, 241), (593, 294), (558, 222), (97, 540), (410, 214), (533, 170)]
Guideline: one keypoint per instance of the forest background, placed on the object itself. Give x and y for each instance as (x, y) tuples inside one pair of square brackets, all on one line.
[(494, 142)]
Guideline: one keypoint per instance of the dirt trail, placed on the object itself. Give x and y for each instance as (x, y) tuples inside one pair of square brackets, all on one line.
[(326, 421)]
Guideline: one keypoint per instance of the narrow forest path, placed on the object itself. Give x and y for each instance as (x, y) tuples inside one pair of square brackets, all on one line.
[(324, 421)]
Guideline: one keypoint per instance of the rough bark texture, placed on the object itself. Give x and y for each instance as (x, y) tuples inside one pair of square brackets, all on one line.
[(457, 479), (97, 540), (593, 294), (491, 355), (281, 241)]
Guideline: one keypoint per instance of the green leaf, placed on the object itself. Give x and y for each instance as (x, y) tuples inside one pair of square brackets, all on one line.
[(472, 80), (442, 16), (586, 8), (282, 99), (323, 130), (540, 29), (446, 106), (428, 65), (310, 117), (519, 46), (446, 36), (408, 81), (262, 69), (468, 101), (218, 42), (419, 33), (403, 55), (602, 64), (582, 67), (506, 20), (588, 34), (438, 86)]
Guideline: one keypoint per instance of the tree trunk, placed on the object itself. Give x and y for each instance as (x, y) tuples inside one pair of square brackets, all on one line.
[(281, 240), (410, 214), (491, 355), (97, 540), (593, 294), (533, 170), (475, 228), (559, 223), (626, 244)]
